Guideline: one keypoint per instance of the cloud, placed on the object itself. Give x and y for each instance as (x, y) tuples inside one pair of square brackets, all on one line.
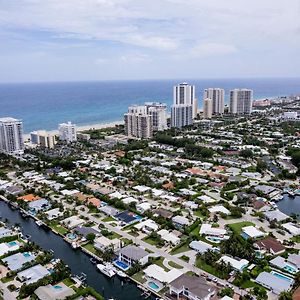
[(213, 49)]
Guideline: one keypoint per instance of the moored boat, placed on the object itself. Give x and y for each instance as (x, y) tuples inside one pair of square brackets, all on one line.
[(106, 269)]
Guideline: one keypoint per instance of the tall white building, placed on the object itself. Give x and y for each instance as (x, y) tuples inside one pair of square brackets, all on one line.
[(217, 96), (43, 138), (181, 115), (184, 94), (67, 132), (207, 108), (241, 101), (138, 123), (158, 111), (11, 136)]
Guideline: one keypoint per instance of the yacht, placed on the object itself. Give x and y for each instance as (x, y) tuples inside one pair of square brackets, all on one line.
[(39, 223), (121, 274), (107, 269), (74, 245)]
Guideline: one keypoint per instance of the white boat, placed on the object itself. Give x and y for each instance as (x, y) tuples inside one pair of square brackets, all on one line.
[(74, 245), (121, 274), (39, 223), (106, 269)]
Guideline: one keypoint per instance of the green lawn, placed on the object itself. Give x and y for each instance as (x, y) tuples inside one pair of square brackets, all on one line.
[(296, 239), (159, 262), (139, 277), (91, 248), (210, 269), (185, 258), (108, 219), (174, 265), (60, 229), (237, 227), (68, 282), (113, 235), (183, 248)]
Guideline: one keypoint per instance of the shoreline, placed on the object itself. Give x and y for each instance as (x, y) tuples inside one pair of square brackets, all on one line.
[(81, 128)]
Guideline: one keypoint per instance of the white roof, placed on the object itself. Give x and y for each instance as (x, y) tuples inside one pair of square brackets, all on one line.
[(117, 195), (200, 246), (294, 229), (252, 231), (144, 205), (169, 236), (141, 188), (207, 229), (276, 214), (236, 264), (129, 200), (206, 199), (148, 223), (155, 271), (219, 208), (69, 192), (181, 220), (8, 247)]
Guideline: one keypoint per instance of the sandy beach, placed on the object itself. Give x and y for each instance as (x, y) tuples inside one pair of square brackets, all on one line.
[(81, 128)]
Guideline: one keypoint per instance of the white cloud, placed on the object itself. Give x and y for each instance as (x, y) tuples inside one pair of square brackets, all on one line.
[(213, 49)]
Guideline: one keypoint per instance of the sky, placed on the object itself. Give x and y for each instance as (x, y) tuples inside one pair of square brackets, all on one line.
[(67, 40)]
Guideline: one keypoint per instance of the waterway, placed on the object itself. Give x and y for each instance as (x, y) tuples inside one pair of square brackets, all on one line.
[(77, 260), (289, 205)]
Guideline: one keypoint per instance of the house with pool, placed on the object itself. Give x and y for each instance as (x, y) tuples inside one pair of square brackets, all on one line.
[(290, 265), (130, 255), (212, 234), (191, 288)]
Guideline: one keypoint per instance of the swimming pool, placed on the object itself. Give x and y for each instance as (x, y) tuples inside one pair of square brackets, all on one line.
[(290, 269), (152, 285), (57, 287), (72, 236), (281, 276), (13, 243), (214, 239), (26, 254), (121, 265)]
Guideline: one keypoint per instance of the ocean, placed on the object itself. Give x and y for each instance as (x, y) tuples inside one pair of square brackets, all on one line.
[(45, 105)]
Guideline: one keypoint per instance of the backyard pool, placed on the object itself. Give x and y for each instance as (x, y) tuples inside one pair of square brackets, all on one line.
[(281, 276), (72, 236), (152, 285), (290, 269), (214, 239), (12, 244), (121, 265)]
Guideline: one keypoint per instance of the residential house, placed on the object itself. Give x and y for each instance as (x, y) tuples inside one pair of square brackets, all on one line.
[(132, 254)]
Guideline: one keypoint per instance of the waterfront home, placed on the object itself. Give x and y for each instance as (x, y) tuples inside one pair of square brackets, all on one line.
[(147, 226), (9, 247), (53, 214), (72, 222), (38, 205), (132, 254), (33, 274), (236, 264), (54, 292), (16, 261), (158, 273), (169, 237), (275, 215), (292, 228), (270, 245), (267, 190), (191, 288), (180, 221), (200, 246), (29, 198), (85, 231), (103, 243), (252, 232), (275, 282), (14, 190), (5, 232)]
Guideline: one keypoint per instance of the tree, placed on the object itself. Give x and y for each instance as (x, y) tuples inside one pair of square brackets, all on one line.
[(247, 153), (285, 296), (90, 237), (226, 292)]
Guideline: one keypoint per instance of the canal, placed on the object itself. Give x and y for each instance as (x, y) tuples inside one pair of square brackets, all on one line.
[(77, 260), (290, 205)]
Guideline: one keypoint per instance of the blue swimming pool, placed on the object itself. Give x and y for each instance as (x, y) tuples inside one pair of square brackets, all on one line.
[(13, 243), (72, 236), (290, 269), (152, 285), (57, 287), (281, 276), (121, 265), (26, 254)]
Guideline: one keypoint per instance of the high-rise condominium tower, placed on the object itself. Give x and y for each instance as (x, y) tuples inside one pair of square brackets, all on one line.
[(217, 96), (241, 101), (67, 132), (11, 136), (138, 123), (185, 107), (207, 108)]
